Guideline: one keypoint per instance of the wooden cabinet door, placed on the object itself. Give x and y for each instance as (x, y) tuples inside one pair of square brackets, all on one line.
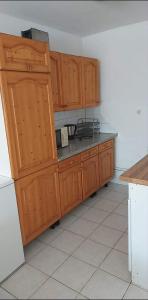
[(55, 61), (90, 176), (71, 82), (70, 188), (28, 113), (21, 54), (106, 165), (38, 202), (91, 82)]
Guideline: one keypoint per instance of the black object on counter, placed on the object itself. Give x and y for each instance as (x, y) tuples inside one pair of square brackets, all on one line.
[(71, 128)]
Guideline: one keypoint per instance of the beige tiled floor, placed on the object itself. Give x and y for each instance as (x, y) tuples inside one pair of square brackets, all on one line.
[(86, 257)]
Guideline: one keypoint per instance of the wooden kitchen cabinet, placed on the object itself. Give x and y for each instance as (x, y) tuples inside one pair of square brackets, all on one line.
[(90, 176), (71, 82), (38, 202), (21, 54), (106, 164), (55, 61), (75, 81), (28, 113), (70, 185), (91, 82)]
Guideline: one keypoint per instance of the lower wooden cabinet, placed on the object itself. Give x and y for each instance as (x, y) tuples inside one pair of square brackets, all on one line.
[(90, 175), (70, 188), (38, 202), (106, 165), (45, 196)]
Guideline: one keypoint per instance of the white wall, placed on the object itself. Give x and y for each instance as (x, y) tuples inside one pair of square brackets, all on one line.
[(124, 88), (124, 81), (59, 41)]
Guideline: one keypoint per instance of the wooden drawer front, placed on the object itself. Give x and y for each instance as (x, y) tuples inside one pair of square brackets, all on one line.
[(21, 54), (70, 162), (106, 145), (89, 153)]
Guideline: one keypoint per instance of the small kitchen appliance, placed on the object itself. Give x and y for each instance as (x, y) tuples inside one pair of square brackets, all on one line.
[(62, 137), (71, 128)]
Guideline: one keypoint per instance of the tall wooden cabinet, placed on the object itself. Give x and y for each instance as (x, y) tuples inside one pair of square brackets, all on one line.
[(26, 99), (25, 86), (38, 202)]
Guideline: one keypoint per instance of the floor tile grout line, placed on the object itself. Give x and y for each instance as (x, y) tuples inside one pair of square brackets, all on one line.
[(38, 288), (71, 255), (85, 238), (27, 260), (127, 289), (68, 255), (3, 288), (50, 277)]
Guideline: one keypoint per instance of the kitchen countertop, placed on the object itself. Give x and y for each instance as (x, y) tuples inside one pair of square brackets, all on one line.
[(137, 174), (77, 146)]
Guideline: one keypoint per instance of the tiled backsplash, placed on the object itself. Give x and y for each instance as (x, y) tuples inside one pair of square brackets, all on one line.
[(62, 118)]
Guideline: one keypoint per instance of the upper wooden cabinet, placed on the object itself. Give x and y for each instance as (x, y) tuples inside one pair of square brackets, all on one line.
[(21, 54), (55, 62), (38, 202), (71, 82), (75, 81), (28, 114), (91, 82)]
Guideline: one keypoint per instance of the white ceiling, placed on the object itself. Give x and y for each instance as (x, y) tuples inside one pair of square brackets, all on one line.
[(78, 17)]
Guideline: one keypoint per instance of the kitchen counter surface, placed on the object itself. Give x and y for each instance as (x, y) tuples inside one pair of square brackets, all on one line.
[(77, 146), (138, 174)]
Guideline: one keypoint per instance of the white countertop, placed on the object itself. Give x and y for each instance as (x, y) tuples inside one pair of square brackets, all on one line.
[(4, 181)]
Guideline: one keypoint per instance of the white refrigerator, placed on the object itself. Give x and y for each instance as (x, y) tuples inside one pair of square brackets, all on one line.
[(11, 247)]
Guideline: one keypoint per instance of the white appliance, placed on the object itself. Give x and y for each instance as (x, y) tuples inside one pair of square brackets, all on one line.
[(11, 247)]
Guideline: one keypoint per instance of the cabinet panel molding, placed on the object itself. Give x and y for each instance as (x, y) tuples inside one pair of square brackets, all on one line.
[(21, 54)]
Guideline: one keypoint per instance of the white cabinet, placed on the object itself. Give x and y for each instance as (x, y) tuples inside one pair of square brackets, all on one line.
[(11, 248), (138, 234)]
